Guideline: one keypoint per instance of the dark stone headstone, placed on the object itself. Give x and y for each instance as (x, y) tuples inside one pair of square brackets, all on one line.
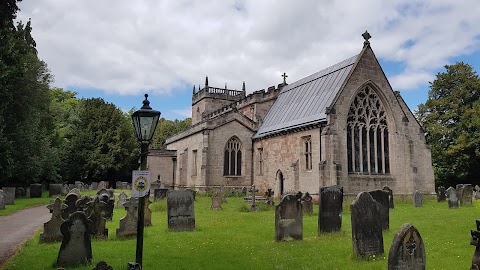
[(367, 234), (10, 194), (71, 202), (452, 197), (307, 203), (76, 248), (467, 194), (216, 202), (128, 224), (417, 198), (102, 265), (390, 196), (20, 192), (3, 199), (407, 250), (108, 197), (159, 194), (55, 190), (441, 196), (180, 205), (475, 241), (289, 218), (51, 228), (459, 190), (330, 209), (122, 198), (381, 197), (35, 190)]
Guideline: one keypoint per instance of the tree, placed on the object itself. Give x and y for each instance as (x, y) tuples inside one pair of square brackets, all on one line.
[(451, 119), (168, 128)]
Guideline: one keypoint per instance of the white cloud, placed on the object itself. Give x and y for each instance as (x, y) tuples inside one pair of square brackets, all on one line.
[(127, 47), (187, 112)]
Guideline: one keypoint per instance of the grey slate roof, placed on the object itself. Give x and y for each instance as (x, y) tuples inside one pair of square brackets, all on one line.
[(304, 102)]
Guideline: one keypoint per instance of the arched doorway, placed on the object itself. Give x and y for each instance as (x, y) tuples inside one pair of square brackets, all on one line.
[(281, 184)]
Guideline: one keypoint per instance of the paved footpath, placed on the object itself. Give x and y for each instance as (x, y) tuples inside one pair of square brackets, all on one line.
[(16, 228)]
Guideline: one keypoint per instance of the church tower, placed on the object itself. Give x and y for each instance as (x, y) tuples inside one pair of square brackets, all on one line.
[(209, 99)]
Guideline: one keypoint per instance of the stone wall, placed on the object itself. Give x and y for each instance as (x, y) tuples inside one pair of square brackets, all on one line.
[(160, 162)]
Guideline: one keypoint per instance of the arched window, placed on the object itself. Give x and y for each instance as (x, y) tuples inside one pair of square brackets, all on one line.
[(367, 135), (232, 162)]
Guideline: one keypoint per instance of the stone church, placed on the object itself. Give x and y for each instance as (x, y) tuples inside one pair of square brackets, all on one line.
[(343, 125)]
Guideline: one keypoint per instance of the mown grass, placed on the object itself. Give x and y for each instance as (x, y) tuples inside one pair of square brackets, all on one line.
[(234, 239), (22, 203)]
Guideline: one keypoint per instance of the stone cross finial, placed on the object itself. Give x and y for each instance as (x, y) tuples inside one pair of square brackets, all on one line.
[(366, 36), (284, 78)]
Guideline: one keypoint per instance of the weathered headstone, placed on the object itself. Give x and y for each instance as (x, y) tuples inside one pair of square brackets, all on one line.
[(475, 241), (35, 190), (216, 202), (107, 196), (76, 248), (381, 197), (65, 190), (79, 185), (122, 198), (269, 194), (55, 190), (102, 265), (407, 250), (51, 228), (94, 186), (390, 196), (459, 190), (125, 186), (71, 202), (160, 194), (3, 199), (452, 197), (147, 213), (467, 194), (180, 205), (20, 192), (330, 209), (441, 196), (417, 198), (307, 203), (128, 224), (289, 218), (27, 192), (118, 185), (98, 210), (10, 194), (367, 234), (102, 185)]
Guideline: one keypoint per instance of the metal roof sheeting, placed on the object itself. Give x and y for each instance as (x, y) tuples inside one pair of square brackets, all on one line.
[(304, 102)]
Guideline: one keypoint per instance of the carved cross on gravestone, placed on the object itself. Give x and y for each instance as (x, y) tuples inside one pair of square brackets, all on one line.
[(51, 228), (407, 250), (253, 206)]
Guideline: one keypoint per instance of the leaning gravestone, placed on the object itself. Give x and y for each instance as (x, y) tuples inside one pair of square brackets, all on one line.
[(289, 218), (367, 237), (390, 196), (216, 202), (307, 203), (467, 194), (35, 190), (180, 205), (128, 224), (10, 194), (55, 190), (330, 209), (452, 198), (76, 248), (475, 241), (381, 196), (122, 198), (51, 228), (407, 250), (417, 198), (441, 194), (3, 199), (459, 190)]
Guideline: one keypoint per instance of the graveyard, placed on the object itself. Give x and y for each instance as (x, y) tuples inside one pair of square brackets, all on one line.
[(233, 237)]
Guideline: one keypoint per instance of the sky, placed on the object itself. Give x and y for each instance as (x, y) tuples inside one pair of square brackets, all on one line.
[(119, 50)]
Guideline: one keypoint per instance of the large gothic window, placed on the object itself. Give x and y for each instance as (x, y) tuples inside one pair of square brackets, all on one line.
[(232, 162), (367, 135)]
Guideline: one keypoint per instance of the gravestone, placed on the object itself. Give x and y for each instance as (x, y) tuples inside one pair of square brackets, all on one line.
[(122, 198), (452, 197), (76, 248), (51, 228), (417, 198), (477, 192), (289, 218), (407, 250), (97, 210), (107, 196), (181, 216), (459, 190), (390, 196), (118, 185), (216, 202), (467, 194), (102, 185), (75, 191), (381, 197), (128, 224), (20, 192), (307, 203), (475, 241), (153, 186), (269, 194), (10, 195), (27, 192), (35, 190), (159, 194), (79, 185), (71, 202), (147, 216), (125, 186), (55, 190), (102, 265), (441, 196), (3, 199), (65, 190), (367, 237), (330, 209), (94, 186)]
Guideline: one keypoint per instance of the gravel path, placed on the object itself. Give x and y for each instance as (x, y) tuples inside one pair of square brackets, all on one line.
[(16, 228)]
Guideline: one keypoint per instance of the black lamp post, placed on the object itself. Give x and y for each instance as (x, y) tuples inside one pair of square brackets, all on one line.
[(145, 122)]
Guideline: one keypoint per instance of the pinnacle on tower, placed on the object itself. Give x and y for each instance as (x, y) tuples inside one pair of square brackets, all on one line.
[(194, 89), (206, 81), (243, 86)]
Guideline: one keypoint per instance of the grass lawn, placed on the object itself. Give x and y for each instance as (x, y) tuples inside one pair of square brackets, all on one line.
[(22, 203), (232, 239)]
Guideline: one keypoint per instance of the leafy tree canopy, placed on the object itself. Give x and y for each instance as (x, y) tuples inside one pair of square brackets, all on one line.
[(167, 128)]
